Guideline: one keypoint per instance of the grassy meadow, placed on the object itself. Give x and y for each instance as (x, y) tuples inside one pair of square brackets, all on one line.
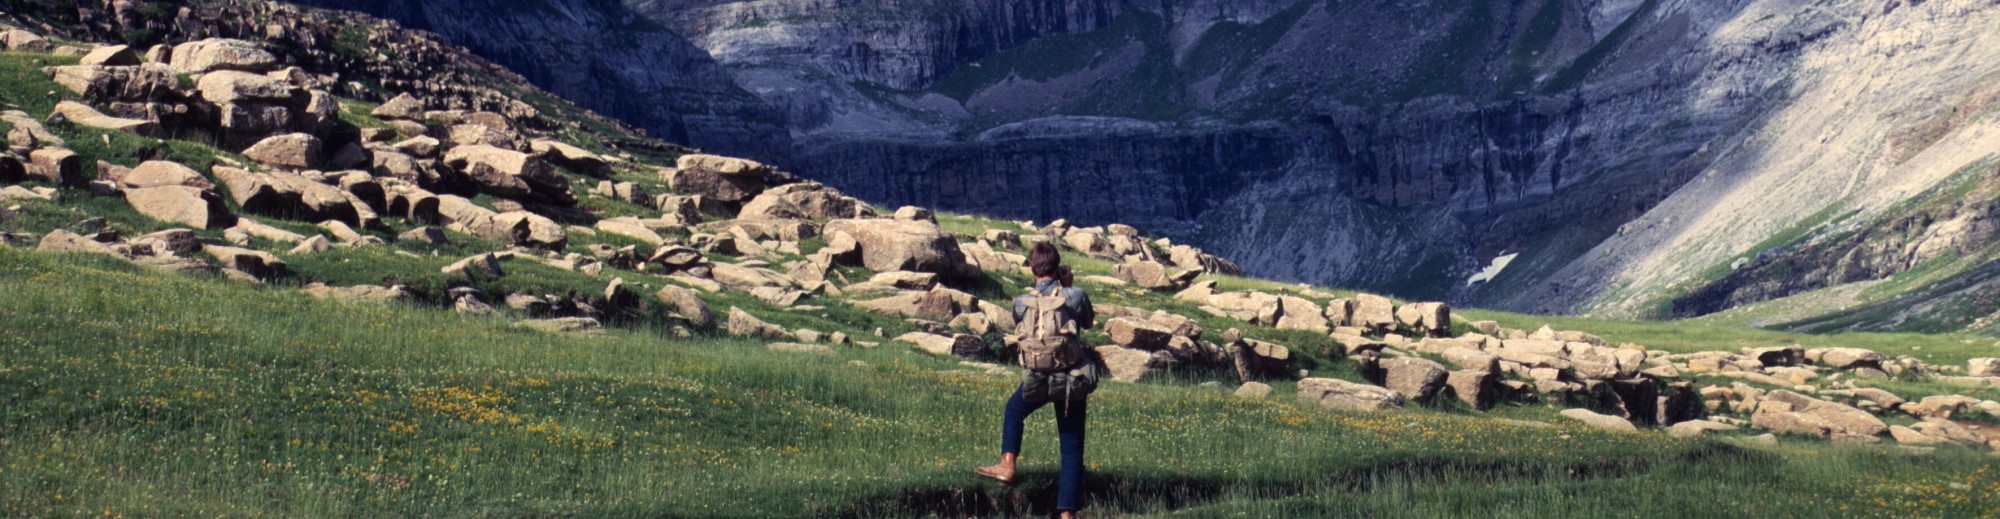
[(130, 393)]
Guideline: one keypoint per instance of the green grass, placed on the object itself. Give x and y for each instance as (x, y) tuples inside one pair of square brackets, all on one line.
[(145, 394)]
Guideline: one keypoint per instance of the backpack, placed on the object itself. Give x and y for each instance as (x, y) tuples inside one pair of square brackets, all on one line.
[(1066, 386), (1045, 339)]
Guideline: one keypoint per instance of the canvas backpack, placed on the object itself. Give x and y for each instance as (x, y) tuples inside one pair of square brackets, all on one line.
[(1046, 338)]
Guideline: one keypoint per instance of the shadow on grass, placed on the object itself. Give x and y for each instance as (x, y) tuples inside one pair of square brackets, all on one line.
[(1035, 495)]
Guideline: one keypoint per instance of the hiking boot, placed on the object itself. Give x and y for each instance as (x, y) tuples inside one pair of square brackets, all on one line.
[(999, 473)]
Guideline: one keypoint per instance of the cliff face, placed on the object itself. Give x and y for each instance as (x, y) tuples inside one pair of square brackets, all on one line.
[(1622, 150), (603, 57)]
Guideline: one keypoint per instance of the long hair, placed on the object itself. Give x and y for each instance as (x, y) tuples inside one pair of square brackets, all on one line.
[(1044, 260)]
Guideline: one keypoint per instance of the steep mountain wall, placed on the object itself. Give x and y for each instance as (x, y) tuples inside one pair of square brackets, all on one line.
[(603, 57)]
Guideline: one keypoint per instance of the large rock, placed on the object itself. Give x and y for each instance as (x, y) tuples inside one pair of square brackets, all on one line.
[(85, 116), (188, 206), (916, 246), (565, 155), (1847, 358), (1787, 412), (403, 106), (284, 194), (721, 178), (142, 83), (1298, 313), (1987, 367), (1374, 313), (56, 165), (1126, 364), (529, 229), (197, 57), (1137, 334), (20, 40), (256, 263), (227, 87), (159, 173), (742, 324), (1414, 378), (1153, 275), (958, 345), (509, 173), (292, 150), (1600, 421), (687, 305), (1341, 394), (1433, 319), (804, 200), (1475, 388)]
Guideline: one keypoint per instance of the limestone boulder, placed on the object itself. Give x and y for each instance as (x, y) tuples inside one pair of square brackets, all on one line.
[(1412, 377), (1374, 313), (159, 173), (1599, 421), (1787, 412), (1846, 358), (212, 54), (1137, 334), (1341, 394), (721, 178), (403, 106), (916, 246), (1473, 387), (1126, 364), (742, 324), (530, 229), (256, 263), (140, 83), (56, 165), (562, 154), (804, 200), (182, 205), (509, 173), (686, 304), (292, 150), (1432, 319), (1983, 367), (85, 116), (233, 87)]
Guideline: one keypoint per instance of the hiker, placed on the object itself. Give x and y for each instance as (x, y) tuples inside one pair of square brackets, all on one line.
[(1055, 367)]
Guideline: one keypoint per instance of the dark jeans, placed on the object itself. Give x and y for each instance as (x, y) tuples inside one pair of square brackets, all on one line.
[(1069, 427)]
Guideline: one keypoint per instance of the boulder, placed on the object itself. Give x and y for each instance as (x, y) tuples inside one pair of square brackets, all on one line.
[(1599, 421), (202, 56), (419, 146), (285, 194), (687, 305), (529, 229), (1471, 359), (720, 178), (403, 106), (20, 40), (959, 345), (508, 173), (1412, 377), (1374, 313), (83, 115), (1984, 367), (1126, 364), (56, 165), (188, 206), (1137, 334), (1253, 390), (292, 150), (1153, 275), (885, 245), (1908, 436), (486, 265), (1693, 428), (136, 84), (1341, 394), (1787, 412), (1433, 319), (631, 228), (562, 154), (159, 173), (1847, 358), (804, 200), (1298, 313), (742, 324), (1474, 387), (481, 135), (63, 241), (233, 87), (110, 55), (256, 263), (358, 294), (563, 325)]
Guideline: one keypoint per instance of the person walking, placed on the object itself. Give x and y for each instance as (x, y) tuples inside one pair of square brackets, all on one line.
[(1056, 369)]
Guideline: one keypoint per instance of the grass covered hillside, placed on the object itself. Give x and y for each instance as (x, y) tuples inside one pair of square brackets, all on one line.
[(226, 290), (140, 394)]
